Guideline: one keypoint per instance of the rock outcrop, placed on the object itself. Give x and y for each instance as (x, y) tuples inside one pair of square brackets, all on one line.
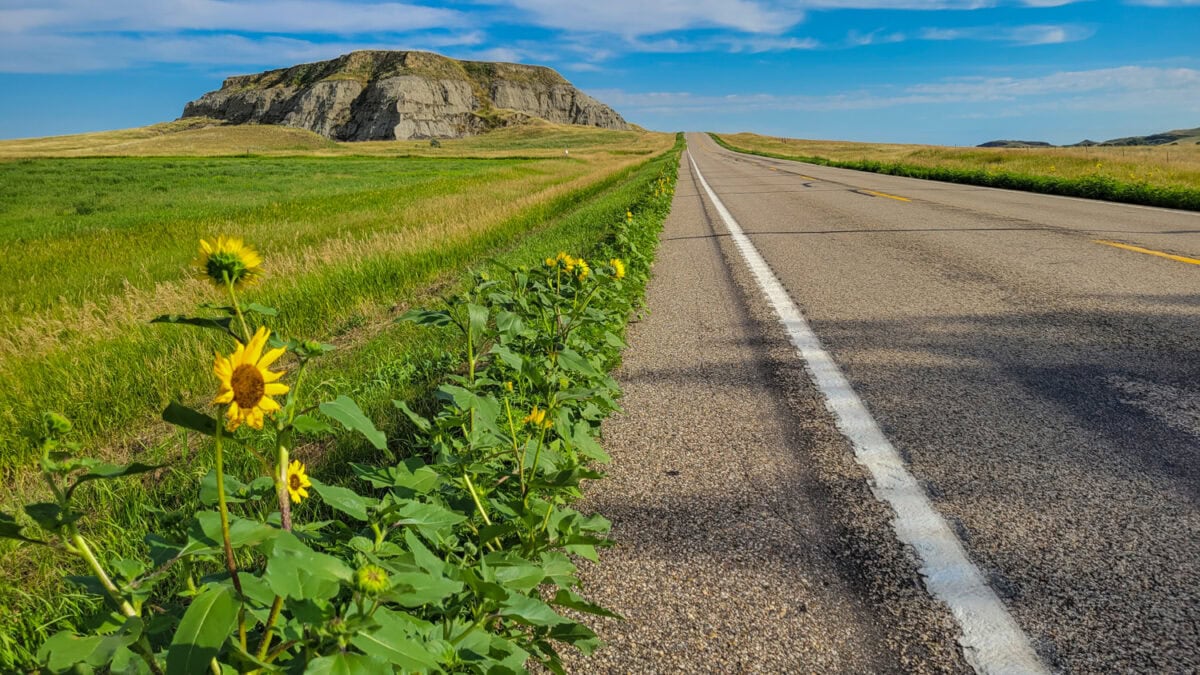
[(385, 95)]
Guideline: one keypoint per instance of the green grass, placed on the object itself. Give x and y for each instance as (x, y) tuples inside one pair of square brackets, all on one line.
[(348, 302), (1110, 174), (105, 245)]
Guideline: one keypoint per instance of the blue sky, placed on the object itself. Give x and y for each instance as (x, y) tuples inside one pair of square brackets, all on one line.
[(956, 72)]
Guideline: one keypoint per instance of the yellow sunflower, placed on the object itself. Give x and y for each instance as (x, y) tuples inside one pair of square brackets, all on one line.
[(581, 268), (618, 268), (246, 384), (297, 481), (537, 417), (228, 257)]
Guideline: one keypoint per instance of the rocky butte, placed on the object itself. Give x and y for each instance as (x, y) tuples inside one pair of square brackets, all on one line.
[(388, 95)]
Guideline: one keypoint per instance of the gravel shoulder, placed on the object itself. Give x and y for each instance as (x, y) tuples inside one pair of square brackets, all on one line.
[(747, 539)]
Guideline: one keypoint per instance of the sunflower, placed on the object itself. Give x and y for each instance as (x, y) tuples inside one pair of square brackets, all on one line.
[(618, 268), (228, 258), (297, 481), (537, 417), (581, 268), (246, 384)]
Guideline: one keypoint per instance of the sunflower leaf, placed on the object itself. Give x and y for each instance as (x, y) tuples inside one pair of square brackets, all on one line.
[(183, 416), (345, 410), (223, 324), (105, 471)]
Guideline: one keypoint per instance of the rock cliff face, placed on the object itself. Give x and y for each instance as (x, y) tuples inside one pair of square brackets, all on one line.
[(381, 95)]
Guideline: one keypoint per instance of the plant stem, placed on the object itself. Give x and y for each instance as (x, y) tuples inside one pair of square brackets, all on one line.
[(475, 496), (270, 626), (84, 551), (512, 429), (237, 308), (223, 508)]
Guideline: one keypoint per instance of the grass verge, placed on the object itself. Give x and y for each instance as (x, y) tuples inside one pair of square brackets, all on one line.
[(1097, 173), (395, 362)]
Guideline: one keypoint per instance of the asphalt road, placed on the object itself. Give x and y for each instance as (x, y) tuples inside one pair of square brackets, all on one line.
[(1044, 388)]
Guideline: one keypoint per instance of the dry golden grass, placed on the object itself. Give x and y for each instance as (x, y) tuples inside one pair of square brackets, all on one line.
[(200, 137), (1164, 165)]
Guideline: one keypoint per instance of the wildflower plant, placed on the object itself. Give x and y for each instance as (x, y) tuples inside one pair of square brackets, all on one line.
[(456, 558)]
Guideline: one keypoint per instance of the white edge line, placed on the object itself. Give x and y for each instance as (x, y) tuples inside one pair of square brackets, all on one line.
[(991, 640)]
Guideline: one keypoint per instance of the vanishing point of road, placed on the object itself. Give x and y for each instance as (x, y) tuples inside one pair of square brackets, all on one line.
[(1033, 362)]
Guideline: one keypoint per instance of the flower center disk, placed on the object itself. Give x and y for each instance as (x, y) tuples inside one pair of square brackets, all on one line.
[(248, 386)]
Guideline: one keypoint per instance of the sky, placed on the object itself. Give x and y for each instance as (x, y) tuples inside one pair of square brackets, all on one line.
[(953, 72)]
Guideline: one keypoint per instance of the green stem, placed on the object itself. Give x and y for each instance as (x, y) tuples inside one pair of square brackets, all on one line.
[(223, 507), (519, 452), (475, 496), (237, 308), (142, 646), (265, 647), (537, 455)]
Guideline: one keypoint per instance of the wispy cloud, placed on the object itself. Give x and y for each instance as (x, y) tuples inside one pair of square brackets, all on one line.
[(328, 17), (1037, 34), (1127, 87)]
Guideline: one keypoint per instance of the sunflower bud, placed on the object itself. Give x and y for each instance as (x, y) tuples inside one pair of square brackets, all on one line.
[(371, 580)]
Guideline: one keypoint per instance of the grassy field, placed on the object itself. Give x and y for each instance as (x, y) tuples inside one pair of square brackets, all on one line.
[(1167, 175), (102, 245)]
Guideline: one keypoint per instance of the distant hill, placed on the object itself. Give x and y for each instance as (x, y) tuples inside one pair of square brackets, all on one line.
[(1178, 136), (1015, 144), (387, 95)]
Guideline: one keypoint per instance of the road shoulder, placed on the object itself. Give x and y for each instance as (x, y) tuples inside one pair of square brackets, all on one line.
[(747, 537)]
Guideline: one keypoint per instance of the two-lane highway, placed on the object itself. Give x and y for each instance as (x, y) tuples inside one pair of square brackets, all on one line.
[(1042, 384)]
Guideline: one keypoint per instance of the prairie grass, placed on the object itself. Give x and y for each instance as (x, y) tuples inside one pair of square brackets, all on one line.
[(363, 230), (375, 235), (1167, 175)]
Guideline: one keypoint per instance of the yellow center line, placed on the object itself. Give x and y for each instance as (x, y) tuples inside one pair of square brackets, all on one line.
[(1147, 251), (884, 194)]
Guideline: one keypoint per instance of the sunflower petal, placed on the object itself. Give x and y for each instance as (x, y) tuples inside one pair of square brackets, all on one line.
[(255, 348), (275, 389), (271, 357), (267, 405)]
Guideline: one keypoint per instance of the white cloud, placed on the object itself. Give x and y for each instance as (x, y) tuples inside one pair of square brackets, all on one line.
[(1124, 88), (634, 18), (1037, 34), (263, 16), (83, 53)]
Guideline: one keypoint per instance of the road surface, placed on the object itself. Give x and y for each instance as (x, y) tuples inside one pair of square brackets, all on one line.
[(1043, 387)]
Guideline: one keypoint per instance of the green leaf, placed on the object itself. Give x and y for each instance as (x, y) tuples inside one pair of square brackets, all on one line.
[(296, 571), (183, 416), (255, 308), (345, 500), (416, 589), (206, 528), (567, 598), (10, 529), (429, 518), (107, 471), (307, 424), (204, 627), (64, 649), (509, 323), (477, 317), (529, 611), (346, 411), (393, 643), (47, 515), (509, 357), (345, 664), (570, 360), (222, 324), (417, 420), (426, 317)]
